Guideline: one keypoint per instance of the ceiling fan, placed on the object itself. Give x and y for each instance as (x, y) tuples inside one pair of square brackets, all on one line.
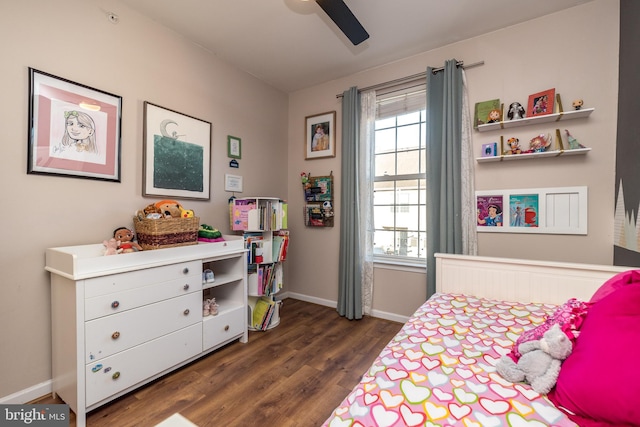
[(340, 13)]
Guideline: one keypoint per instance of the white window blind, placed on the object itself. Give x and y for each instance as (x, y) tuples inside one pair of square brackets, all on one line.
[(397, 104)]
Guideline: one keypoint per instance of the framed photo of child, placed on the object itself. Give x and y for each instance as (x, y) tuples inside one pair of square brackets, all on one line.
[(319, 136), (74, 130)]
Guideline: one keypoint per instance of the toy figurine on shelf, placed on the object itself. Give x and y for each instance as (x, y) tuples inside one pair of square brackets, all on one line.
[(573, 143), (514, 146), (577, 104), (540, 143), (516, 111), (494, 116)]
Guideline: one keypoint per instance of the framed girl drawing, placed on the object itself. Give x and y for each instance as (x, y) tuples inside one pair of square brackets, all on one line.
[(320, 138), (74, 130)]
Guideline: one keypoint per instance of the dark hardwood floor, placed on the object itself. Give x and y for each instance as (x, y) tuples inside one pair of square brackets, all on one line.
[(292, 375)]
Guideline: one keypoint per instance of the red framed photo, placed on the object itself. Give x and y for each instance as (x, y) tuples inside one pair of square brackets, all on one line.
[(541, 103)]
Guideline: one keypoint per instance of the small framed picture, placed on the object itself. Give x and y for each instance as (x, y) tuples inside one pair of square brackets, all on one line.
[(319, 135), (233, 183), (234, 147), (541, 103), (74, 130)]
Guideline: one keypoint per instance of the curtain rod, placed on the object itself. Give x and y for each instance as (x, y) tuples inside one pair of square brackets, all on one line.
[(413, 77)]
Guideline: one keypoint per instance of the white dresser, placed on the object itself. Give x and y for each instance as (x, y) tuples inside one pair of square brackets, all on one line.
[(123, 320)]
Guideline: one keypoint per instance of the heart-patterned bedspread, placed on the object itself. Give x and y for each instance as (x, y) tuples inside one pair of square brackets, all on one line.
[(439, 370)]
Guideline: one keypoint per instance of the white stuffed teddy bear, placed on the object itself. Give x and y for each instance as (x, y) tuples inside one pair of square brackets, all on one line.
[(540, 362)]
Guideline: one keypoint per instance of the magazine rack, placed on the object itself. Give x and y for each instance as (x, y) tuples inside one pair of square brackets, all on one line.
[(318, 196)]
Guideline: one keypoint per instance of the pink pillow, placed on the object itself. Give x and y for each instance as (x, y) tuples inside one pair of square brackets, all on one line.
[(600, 381), (616, 282), (569, 316)]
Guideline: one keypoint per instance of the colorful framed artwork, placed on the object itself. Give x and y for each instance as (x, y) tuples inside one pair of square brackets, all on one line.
[(523, 210), (177, 154), (74, 130), (234, 147), (319, 136), (489, 210), (541, 103), (487, 112)]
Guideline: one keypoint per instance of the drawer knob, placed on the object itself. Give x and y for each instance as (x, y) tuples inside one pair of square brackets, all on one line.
[(186, 287), (186, 312), (115, 304), (115, 335), (226, 328), (185, 270), (115, 375)]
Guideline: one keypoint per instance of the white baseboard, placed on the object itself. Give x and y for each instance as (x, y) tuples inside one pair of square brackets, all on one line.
[(328, 303), (28, 394)]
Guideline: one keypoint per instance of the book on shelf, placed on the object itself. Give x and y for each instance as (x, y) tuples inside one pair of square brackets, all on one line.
[(262, 313), (280, 243), (240, 211)]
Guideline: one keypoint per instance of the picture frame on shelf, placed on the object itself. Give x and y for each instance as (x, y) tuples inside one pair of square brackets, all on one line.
[(74, 130), (177, 154), (484, 109), (541, 103), (320, 138), (234, 147)]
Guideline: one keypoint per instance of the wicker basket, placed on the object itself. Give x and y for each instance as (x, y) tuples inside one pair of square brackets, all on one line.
[(166, 232)]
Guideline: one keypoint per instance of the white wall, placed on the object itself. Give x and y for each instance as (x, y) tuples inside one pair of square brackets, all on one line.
[(575, 52), (140, 61)]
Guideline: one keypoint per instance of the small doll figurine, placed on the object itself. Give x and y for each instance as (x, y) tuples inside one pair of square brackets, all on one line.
[(494, 116), (577, 104), (514, 143), (516, 111), (125, 237)]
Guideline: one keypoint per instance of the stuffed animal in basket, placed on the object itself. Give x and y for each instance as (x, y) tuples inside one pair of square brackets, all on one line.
[(152, 212), (125, 238), (540, 362), (169, 208)]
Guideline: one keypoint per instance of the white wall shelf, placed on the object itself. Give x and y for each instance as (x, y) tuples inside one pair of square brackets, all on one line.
[(528, 121), (554, 153)]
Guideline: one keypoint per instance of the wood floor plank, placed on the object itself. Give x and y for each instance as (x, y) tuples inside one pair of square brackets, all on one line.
[(292, 375)]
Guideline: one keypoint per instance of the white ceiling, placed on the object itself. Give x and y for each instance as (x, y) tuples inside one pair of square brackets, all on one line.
[(292, 44)]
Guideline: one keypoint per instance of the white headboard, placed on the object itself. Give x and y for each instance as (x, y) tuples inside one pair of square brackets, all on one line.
[(520, 280)]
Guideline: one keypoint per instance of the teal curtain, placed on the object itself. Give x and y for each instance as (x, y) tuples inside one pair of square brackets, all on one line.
[(350, 268), (443, 142)]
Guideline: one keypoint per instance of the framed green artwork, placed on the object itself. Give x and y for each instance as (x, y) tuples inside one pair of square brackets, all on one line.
[(177, 154)]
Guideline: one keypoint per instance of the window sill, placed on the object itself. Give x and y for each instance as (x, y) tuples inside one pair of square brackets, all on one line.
[(418, 266)]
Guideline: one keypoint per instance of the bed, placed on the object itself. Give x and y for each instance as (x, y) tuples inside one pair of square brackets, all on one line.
[(439, 370)]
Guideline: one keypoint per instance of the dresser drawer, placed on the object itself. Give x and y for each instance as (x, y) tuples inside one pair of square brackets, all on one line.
[(128, 368), (223, 327), (111, 334), (122, 300), (104, 285)]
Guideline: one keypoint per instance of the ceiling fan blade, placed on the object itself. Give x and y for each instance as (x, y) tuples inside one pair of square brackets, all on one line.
[(340, 13)]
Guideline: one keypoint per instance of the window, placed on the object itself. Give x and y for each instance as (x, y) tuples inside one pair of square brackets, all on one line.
[(399, 200)]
